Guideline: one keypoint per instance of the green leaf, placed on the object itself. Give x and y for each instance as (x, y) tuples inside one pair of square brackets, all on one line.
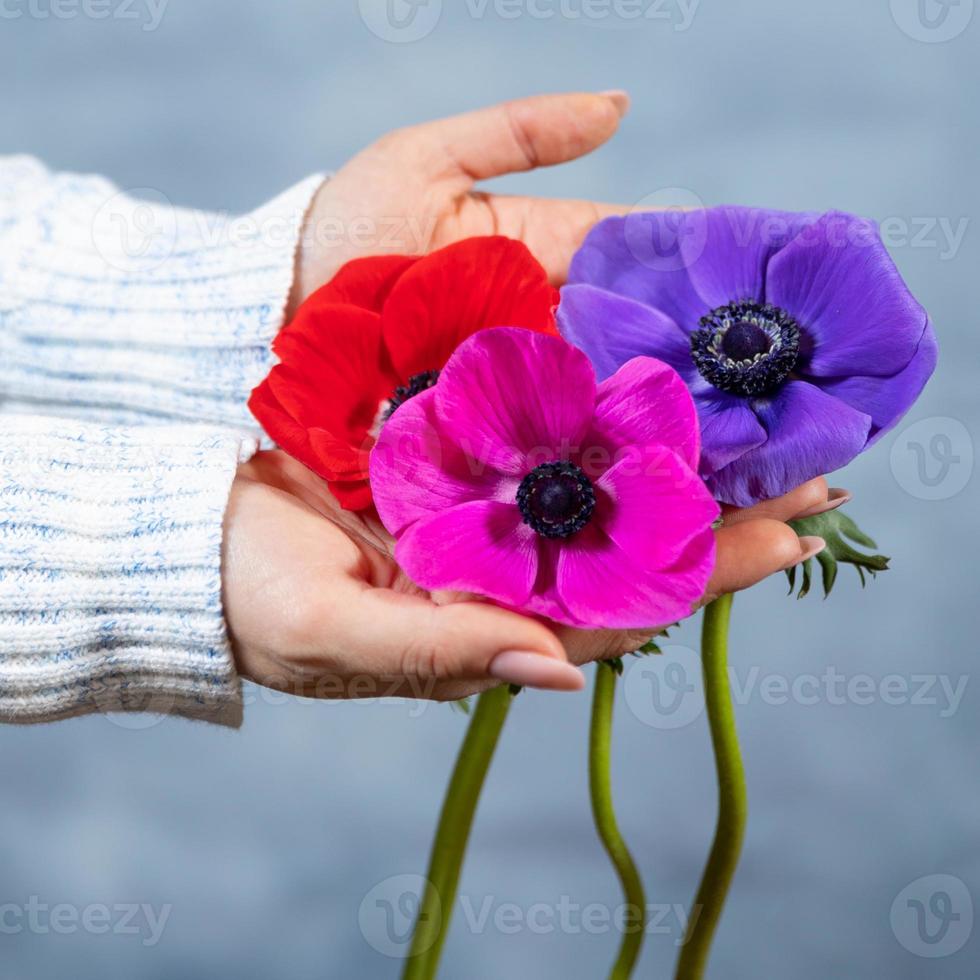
[(651, 646), (841, 534), (462, 706)]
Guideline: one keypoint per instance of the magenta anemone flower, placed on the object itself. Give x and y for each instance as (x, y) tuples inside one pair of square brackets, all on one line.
[(518, 478), (795, 333)]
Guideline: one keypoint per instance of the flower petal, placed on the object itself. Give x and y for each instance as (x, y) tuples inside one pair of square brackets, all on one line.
[(351, 495), (886, 400), (516, 398), (810, 433), (602, 588), (645, 402), (418, 470), (365, 282), (640, 256), (652, 511), (281, 427), (726, 250), (316, 448), (332, 374), (729, 429), (614, 329), (481, 546), (857, 315), (450, 294)]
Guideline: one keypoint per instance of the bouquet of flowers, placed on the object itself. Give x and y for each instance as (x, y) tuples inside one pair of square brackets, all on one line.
[(571, 456)]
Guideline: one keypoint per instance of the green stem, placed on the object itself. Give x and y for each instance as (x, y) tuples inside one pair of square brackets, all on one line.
[(600, 788), (732, 803), (452, 834)]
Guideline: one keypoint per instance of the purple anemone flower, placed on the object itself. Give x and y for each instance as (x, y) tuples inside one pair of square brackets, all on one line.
[(518, 478), (795, 333)]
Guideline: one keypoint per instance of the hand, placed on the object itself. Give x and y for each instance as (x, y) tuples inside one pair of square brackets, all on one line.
[(316, 605), (413, 190)]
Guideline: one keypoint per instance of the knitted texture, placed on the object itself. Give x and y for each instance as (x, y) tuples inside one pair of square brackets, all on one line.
[(141, 328)]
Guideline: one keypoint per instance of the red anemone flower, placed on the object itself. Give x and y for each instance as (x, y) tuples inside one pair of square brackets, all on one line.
[(379, 333)]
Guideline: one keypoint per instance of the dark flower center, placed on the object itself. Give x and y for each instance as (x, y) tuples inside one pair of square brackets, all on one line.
[(556, 499), (746, 348), (417, 383)]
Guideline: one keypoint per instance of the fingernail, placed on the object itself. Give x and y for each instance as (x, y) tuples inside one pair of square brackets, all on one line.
[(620, 98), (536, 670), (836, 497), (810, 545)]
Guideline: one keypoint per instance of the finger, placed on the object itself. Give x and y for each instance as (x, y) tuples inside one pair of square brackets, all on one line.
[(513, 136), (586, 646), (553, 229), (753, 550), (387, 633), (804, 498)]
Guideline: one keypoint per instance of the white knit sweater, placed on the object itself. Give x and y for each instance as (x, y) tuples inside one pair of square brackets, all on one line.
[(131, 333)]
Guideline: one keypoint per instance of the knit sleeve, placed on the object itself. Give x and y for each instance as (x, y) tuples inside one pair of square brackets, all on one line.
[(121, 307), (131, 333), (110, 570)]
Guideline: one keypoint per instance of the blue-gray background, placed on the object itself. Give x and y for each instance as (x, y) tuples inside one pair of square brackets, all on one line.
[(264, 842)]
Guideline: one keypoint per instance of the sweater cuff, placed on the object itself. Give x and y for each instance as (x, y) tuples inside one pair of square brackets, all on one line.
[(122, 307), (110, 570)]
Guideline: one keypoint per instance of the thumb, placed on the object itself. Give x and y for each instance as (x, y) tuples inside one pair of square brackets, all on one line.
[(412, 637)]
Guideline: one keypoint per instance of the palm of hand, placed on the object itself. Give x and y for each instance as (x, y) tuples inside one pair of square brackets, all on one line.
[(317, 605)]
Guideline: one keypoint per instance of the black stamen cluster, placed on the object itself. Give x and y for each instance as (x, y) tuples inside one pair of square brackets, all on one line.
[(417, 383), (746, 348), (556, 499)]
